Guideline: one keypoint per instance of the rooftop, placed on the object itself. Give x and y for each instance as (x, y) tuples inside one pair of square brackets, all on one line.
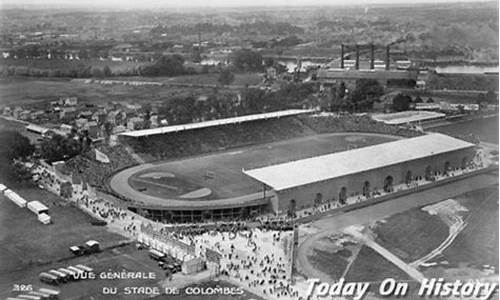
[(226, 121), (404, 117), (326, 167)]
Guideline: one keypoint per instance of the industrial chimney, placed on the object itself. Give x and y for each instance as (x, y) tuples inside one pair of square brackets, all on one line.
[(341, 56), (357, 57), (387, 57), (372, 56)]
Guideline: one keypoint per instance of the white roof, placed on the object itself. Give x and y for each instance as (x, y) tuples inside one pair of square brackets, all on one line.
[(2, 187), (44, 216), (37, 128), (233, 120), (325, 167), (407, 117), (92, 243), (37, 205)]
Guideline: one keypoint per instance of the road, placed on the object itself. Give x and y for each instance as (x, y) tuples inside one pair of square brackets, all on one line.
[(335, 223)]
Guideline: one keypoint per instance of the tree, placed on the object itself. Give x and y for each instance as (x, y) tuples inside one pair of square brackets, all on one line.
[(166, 65), (247, 60), (15, 145), (491, 97), (226, 77), (401, 102), (367, 91), (107, 71), (60, 148)]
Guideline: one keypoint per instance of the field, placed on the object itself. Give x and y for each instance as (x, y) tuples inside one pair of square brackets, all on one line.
[(63, 64), (125, 258), (23, 91), (370, 266), (485, 129), (411, 234), (228, 180), (477, 244), (240, 79)]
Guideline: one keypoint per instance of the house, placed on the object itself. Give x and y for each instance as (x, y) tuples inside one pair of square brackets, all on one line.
[(24, 115), (68, 113), (119, 129), (99, 116), (135, 123), (7, 111), (114, 117), (87, 114), (17, 111), (153, 121), (81, 122), (37, 114), (70, 101), (93, 129), (66, 129)]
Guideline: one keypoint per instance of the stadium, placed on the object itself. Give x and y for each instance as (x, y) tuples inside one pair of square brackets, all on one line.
[(301, 160)]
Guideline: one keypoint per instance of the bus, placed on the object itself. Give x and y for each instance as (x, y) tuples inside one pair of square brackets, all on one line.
[(156, 255), (49, 278), (85, 268), (52, 293), (71, 274), (63, 277)]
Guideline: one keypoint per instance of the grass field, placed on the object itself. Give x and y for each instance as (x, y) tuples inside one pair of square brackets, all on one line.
[(477, 244), (485, 129), (125, 258), (370, 266), (25, 241), (25, 91), (331, 256), (210, 79), (229, 180), (411, 234)]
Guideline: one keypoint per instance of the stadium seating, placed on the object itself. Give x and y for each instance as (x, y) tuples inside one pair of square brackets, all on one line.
[(193, 142), (326, 123), (199, 141), (96, 173)]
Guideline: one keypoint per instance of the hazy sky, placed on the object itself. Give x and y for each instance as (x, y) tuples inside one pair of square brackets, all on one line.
[(124, 4)]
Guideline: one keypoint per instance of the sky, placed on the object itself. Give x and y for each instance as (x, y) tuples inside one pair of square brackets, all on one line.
[(146, 4)]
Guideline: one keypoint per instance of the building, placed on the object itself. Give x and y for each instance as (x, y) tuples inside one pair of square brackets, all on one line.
[(408, 117), (363, 171)]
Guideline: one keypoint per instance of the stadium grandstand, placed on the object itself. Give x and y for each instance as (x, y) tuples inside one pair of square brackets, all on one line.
[(409, 117), (219, 122), (360, 171)]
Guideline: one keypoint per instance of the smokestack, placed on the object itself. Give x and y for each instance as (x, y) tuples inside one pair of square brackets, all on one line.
[(372, 56), (387, 56), (357, 57), (341, 56)]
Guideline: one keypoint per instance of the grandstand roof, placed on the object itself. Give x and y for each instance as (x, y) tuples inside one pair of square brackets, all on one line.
[(407, 117), (226, 121), (325, 167)]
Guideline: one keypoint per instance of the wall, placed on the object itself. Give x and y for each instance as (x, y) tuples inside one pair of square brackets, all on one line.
[(305, 195)]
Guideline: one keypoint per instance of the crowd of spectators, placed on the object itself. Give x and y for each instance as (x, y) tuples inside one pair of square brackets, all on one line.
[(96, 173), (344, 122), (193, 142)]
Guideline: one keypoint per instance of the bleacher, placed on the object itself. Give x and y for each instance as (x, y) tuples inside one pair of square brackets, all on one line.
[(96, 173), (328, 122), (205, 140)]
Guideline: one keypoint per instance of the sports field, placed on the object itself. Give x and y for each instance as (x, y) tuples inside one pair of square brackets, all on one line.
[(221, 172)]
